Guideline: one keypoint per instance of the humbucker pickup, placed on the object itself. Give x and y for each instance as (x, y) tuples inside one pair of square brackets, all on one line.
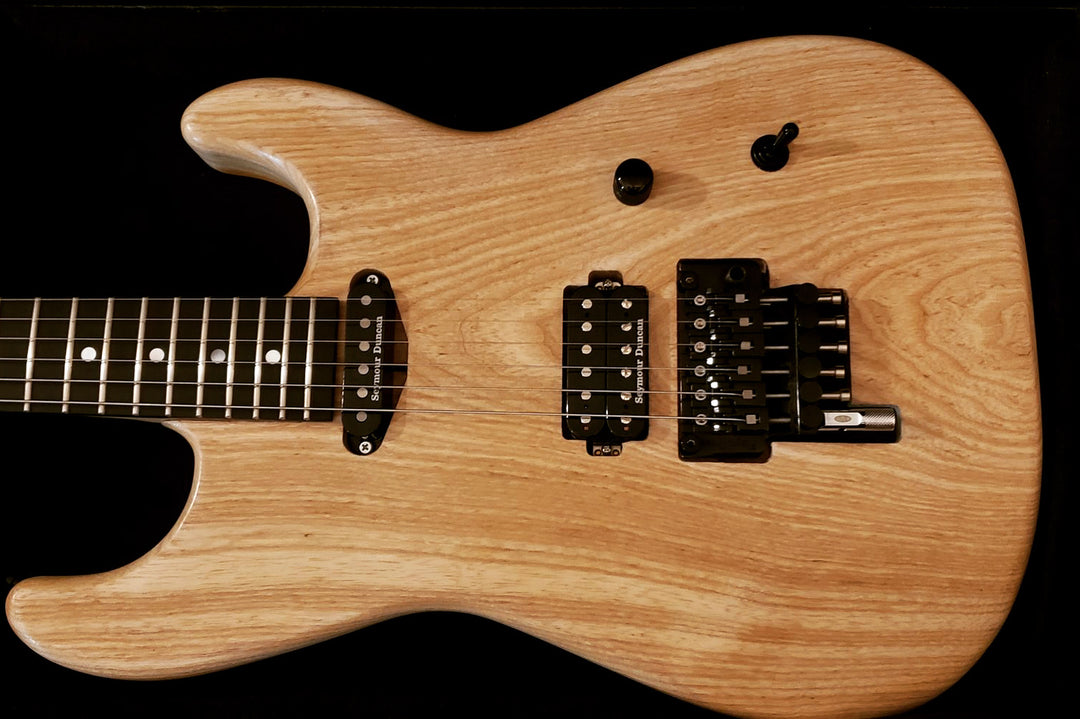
[(758, 364), (605, 363)]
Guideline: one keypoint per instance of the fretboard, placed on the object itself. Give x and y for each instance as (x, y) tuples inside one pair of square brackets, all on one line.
[(260, 358)]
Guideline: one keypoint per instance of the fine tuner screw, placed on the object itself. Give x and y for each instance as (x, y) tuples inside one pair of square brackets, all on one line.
[(770, 152)]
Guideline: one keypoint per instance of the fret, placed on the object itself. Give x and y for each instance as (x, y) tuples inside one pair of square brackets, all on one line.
[(295, 365), (230, 370), (285, 337), (309, 358), (103, 376), (243, 401), (270, 355), (30, 352), (170, 368), (82, 357), (257, 378), (47, 369), (121, 356), (65, 391), (201, 372), (157, 330), (186, 366), (214, 383), (136, 390)]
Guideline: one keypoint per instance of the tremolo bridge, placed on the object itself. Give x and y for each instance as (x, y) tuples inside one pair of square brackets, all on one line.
[(758, 364)]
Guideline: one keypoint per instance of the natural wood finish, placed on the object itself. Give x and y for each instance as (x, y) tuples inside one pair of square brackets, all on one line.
[(834, 580)]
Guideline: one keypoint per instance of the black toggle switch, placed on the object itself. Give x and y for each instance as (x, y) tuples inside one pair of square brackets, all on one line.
[(770, 152)]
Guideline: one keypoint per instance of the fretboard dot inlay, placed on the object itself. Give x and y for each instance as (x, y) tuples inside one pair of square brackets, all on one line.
[(273, 357), (157, 354), (217, 356), (88, 354)]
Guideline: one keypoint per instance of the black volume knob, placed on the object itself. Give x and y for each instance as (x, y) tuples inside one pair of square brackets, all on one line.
[(633, 181), (770, 152)]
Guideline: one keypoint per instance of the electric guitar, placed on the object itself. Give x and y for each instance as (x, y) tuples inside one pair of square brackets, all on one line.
[(723, 378)]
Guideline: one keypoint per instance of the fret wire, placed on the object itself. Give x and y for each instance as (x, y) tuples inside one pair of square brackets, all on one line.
[(169, 369), (258, 358), (103, 376), (285, 357), (69, 352), (230, 369), (136, 391), (309, 357), (30, 354), (200, 372)]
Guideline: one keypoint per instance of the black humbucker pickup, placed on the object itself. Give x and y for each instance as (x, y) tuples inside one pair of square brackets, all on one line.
[(759, 364), (605, 363)]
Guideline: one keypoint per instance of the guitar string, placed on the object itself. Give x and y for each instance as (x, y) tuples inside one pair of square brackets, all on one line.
[(336, 320), (337, 386), (387, 410), (89, 341), (305, 300), (408, 366)]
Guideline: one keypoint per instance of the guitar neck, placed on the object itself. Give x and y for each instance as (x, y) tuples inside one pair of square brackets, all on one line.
[(229, 358)]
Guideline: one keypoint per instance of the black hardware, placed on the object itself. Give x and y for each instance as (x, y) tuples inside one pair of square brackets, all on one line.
[(633, 181), (770, 152), (376, 361), (760, 364), (605, 363)]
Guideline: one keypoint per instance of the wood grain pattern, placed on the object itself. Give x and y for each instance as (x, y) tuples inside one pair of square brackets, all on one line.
[(834, 580)]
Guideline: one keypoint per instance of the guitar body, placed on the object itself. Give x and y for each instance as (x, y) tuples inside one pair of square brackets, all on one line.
[(832, 580)]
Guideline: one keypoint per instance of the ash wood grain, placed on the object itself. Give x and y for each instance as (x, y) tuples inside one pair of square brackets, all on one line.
[(834, 580)]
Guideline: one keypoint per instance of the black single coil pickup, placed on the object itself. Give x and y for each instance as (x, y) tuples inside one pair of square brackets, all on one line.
[(760, 364), (376, 361), (605, 363)]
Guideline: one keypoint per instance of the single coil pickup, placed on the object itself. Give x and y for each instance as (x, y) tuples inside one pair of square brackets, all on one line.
[(605, 363), (760, 364), (375, 361)]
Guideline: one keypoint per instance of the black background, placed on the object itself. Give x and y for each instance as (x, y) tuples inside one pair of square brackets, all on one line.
[(104, 198)]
